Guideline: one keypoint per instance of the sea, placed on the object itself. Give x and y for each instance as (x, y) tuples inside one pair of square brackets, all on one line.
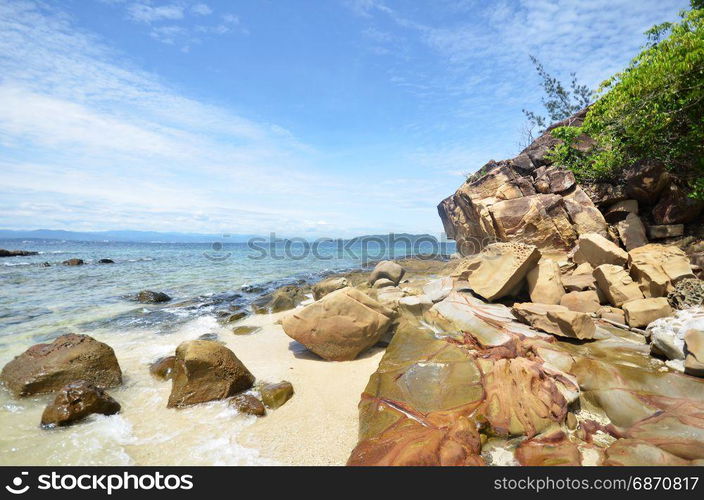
[(40, 299)]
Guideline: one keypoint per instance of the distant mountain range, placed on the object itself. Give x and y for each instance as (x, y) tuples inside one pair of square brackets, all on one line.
[(155, 236), (121, 236)]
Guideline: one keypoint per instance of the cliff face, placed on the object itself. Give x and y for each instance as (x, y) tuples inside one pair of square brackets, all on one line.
[(529, 199)]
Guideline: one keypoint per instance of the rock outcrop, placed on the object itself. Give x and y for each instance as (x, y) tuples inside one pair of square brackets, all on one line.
[(498, 270), (340, 325), (75, 402), (48, 367), (205, 370)]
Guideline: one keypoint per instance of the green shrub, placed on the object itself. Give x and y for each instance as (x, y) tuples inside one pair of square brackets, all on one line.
[(654, 109)]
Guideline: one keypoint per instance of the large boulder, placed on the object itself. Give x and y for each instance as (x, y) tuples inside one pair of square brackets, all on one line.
[(545, 282), (641, 312), (616, 284), (75, 402), (646, 180), (340, 325), (676, 207), (387, 269), (205, 370), (498, 270), (597, 250), (657, 268), (48, 367), (285, 298), (556, 319), (327, 286)]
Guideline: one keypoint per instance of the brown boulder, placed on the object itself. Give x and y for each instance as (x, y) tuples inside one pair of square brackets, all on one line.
[(545, 283), (389, 270), (658, 267), (340, 325), (49, 367), (555, 319), (631, 231), (613, 314), (275, 395), (646, 180), (498, 269), (553, 179), (163, 368), (205, 370), (285, 298), (248, 404), (616, 284), (76, 401), (597, 250), (694, 351), (73, 262), (323, 288), (151, 297), (641, 312), (676, 207), (586, 301), (661, 232)]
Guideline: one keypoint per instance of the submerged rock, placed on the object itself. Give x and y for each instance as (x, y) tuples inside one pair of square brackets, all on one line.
[(205, 371), (75, 402), (151, 297), (73, 262), (163, 368), (276, 395), (340, 325), (49, 367), (16, 253), (106, 261), (248, 404)]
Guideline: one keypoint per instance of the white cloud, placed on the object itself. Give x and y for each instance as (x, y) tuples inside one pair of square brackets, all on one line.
[(201, 9), (146, 13)]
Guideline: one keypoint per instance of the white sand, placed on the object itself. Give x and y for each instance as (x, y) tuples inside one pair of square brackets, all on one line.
[(319, 425)]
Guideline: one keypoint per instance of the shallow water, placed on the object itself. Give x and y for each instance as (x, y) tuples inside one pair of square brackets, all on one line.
[(39, 303)]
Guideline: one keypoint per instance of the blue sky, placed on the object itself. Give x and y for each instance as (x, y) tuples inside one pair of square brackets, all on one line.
[(313, 118)]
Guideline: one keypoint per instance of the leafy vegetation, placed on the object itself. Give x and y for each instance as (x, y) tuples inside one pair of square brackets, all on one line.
[(654, 109)]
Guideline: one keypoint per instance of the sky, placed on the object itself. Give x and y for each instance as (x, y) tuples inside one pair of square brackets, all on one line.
[(325, 118)]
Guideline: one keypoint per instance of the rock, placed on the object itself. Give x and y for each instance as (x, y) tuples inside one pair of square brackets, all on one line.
[(76, 401), (415, 305), (657, 268), (641, 312), (206, 371), (646, 180), (616, 284), (545, 283), (340, 325), (659, 232), (73, 262), (553, 179), (604, 194), (16, 253), (585, 217), (283, 299), (231, 317), (45, 264), (329, 285), (245, 330), (48, 367), (586, 301), (439, 289), (106, 261), (676, 207), (275, 395), (687, 293), (613, 314), (382, 283), (248, 404), (571, 421), (150, 297), (597, 250), (163, 368), (498, 269), (583, 268), (555, 319), (389, 270), (579, 282), (634, 452), (620, 210), (694, 352), (631, 231), (549, 449)]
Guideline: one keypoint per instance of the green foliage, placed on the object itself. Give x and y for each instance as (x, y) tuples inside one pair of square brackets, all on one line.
[(561, 101), (653, 109)]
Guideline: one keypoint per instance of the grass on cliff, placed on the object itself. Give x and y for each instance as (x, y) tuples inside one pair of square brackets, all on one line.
[(654, 109)]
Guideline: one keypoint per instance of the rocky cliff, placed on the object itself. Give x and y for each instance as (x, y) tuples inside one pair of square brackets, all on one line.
[(532, 200)]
